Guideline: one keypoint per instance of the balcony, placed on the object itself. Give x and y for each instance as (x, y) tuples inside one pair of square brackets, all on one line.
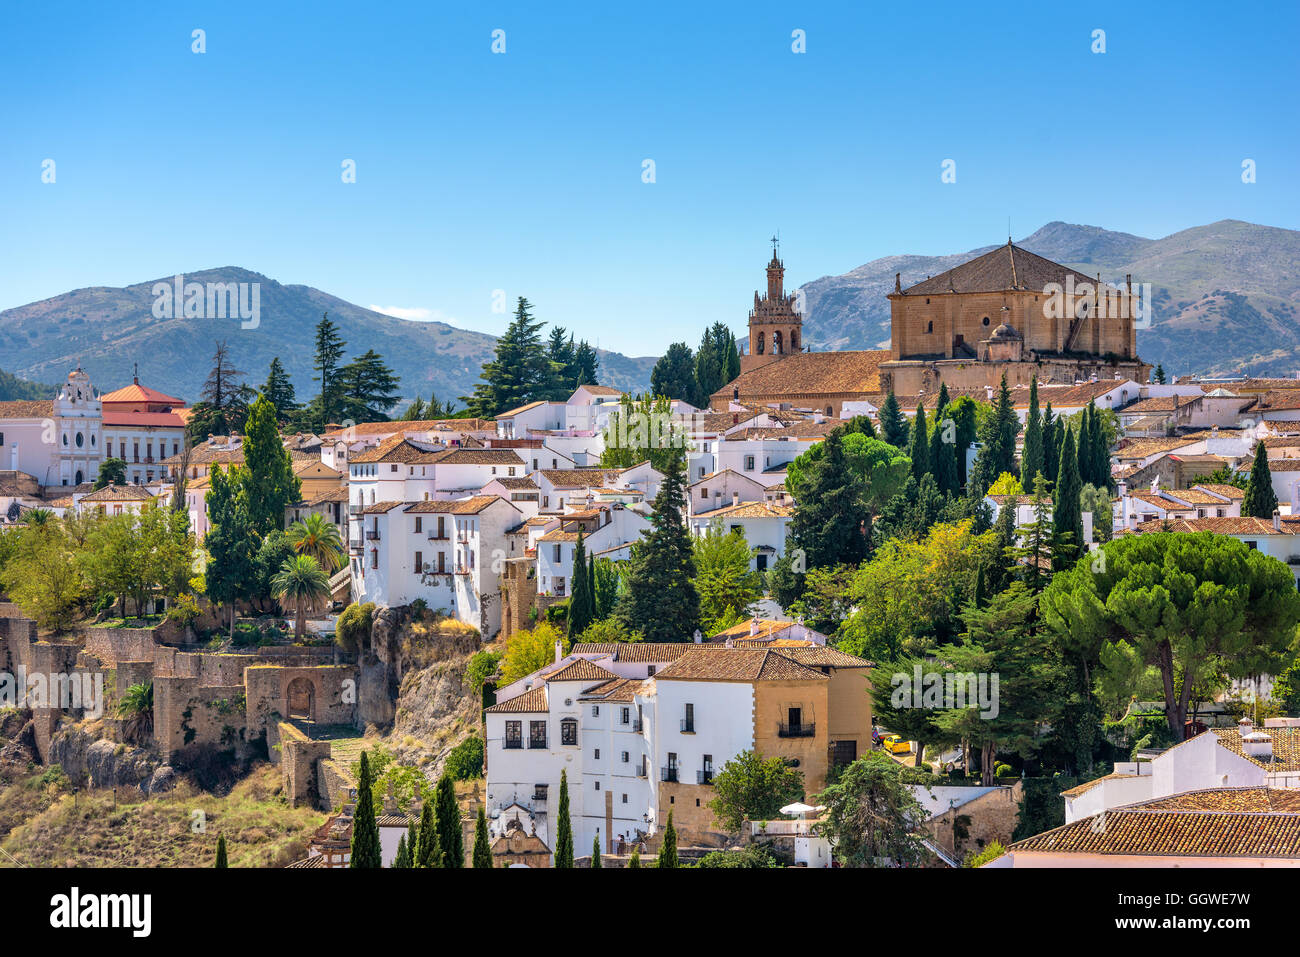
[(642, 771), (354, 545), (537, 744), (668, 774), (808, 730), (704, 776), (354, 508), (435, 537), (372, 534), (688, 725), (513, 744), (637, 726)]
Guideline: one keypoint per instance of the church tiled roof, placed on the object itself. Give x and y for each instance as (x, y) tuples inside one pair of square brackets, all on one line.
[(1007, 267), (811, 374)]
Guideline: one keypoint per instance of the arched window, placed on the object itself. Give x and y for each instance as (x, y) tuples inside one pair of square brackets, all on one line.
[(569, 731), (929, 326), (828, 410), (776, 343), (760, 344), (80, 479)]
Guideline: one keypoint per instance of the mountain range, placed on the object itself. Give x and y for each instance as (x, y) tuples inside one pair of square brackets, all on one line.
[(1225, 299), (1225, 295), (108, 330)]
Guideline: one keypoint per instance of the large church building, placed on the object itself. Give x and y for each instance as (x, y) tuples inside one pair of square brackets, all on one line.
[(1008, 312)]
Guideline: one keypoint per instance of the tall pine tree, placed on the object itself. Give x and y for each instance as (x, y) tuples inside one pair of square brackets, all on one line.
[(1051, 441), (582, 606), (329, 353), (831, 520), (428, 850), (997, 437), (660, 599), (518, 372), (279, 391), (920, 450), (893, 424)]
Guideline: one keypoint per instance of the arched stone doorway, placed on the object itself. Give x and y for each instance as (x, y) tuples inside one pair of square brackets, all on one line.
[(301, 699)]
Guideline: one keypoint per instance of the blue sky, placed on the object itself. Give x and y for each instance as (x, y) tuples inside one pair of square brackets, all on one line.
[(523, 171)]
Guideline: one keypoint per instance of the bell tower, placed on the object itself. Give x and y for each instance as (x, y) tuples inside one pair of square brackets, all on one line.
[(775, 325)]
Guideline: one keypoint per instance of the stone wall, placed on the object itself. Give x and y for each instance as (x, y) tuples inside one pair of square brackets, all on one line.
[(332, 697), (299, 758), (187, 714), (976, 824)]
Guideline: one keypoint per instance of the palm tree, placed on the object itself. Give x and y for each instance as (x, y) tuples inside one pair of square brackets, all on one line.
[(318, 537), (301, 579), (136, 706), (38, 516)]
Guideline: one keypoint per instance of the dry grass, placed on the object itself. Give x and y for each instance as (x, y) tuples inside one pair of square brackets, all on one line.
[(178, 829)]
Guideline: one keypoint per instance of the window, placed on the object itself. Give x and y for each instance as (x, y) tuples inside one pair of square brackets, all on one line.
[(514, 734), (625, 757), (559, 553), (624, 798), (374, 558), (419, 562), (650, 670), (392, 468), (929, 326), (419, 524), (704, 492), (625, 716), (569, 731), (537, 734), (688, 722), (749, 463), (597, 785), (596, 754), (595, 711)]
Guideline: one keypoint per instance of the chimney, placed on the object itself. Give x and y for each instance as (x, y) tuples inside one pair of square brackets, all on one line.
[(753, 627), (1258, 745), (558, 652), (735, 498), (1245, 726), (988, 391), (1128, 282), (698, 637), (730, 643), (1277, 520), (898, 284)]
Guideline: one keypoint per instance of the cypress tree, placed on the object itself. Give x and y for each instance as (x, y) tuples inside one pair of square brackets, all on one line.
[(402, 859), (1100, 451), (412, 839), (1031, 455), (428, 852), (591, 589), (1159, 374), (1051, 439), (963, 416), (582, 607), (366, 851), (920, 451), (1260, 500), (221, 851), (981, 589), (668, 852), (564, 827), (451, 837), (893, 426), (661, 600), (1067, 515), (997, 443), (269, 482), (482, 853), (943, 456), (998, 574), (941, 405), (595, 852)]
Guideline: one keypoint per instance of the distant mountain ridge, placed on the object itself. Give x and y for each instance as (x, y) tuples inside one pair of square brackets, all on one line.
[(1225, 295), (110, 329)]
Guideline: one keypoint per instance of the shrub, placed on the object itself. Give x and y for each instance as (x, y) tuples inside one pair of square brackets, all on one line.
[(990, 853), (184, 610), (353, 628), (481, 667), (466, 759), (1003, 771)]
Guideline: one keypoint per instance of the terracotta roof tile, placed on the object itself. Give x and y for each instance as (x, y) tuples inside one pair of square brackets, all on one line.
[(737, 664), (530, 702), (811, 374)]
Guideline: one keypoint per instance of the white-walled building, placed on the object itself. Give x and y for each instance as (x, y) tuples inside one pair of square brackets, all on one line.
[(608, 532), (764, 524), (450, 553), (721, 489), (58, 441)]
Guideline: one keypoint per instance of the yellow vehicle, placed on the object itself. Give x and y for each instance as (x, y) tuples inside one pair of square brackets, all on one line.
[(896, 745)]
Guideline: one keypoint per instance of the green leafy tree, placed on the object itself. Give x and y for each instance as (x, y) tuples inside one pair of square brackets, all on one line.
[(564, 827), (871, 815), (723, 576), (451, 836), (643, 430), (111, 472), (269, 482), (1035, 548), (530, 649), (673, 376), (1159, 374), (366, 851), (784, 583), (230, 540), (965, 416), (882, 468), (660, 597), (605, 585), (1185, 602), (223, 400), (716, 363), (465, 760), (892, 684), (482, 853), (1260, 500), (751, 788), (1097, 502), (668, 850)]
